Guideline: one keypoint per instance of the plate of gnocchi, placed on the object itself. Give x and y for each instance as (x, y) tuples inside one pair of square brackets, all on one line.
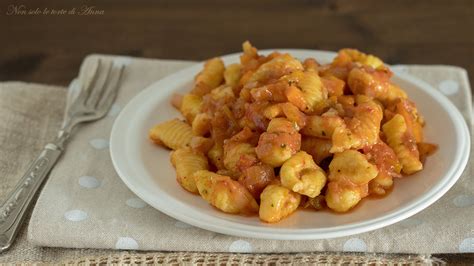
[(290, 144)]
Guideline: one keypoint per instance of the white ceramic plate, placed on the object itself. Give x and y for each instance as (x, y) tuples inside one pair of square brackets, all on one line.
[(146, 169)]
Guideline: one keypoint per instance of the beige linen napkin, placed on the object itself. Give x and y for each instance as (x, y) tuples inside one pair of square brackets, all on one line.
[(30, 114), (85, 204)]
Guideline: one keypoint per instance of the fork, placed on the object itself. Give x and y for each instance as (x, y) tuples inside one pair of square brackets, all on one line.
[(92, 103)]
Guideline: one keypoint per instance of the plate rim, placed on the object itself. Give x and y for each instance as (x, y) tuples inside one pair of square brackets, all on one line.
[(243, 230)]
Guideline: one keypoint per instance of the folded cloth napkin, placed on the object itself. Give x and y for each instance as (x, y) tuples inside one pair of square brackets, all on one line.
[(85, 204)]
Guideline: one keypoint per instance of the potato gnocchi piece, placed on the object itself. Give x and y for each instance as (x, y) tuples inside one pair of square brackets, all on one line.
[(381, 184), (210, 77), (387, 164), (173, 134), (349, 175), (232, 74), (342, 196), (316, 147), (273, 92), (233, 152), (201, 124), (346, 56), (333, 85), (322, 126), (253, 117), (280, 124), (352, 165), (279, 143), (306, 91), (413, 120), (222, 94), (218, 99), (347, 101), (310, 64), (201, 144), (275, 148), (277, 202), (403, 143), (249, 53), (302, 175), (362, 129), (187, 162), (224, 193), (191, 106), (374, 84), (274, 69), (216, 156), (289, 110)]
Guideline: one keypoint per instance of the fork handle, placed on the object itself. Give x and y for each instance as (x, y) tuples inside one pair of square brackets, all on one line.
[(13, 210)]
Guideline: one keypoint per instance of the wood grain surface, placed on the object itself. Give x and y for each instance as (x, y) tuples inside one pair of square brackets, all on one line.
[(48, 48)]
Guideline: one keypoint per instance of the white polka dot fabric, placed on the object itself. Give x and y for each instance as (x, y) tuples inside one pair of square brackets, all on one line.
[(85, 204), (449, 87), (463, 201), (99, 143), (89, 182), (354, 245), (75, 215), (240, 246), (126, 243), (467, 245), (114, 110), (136, 203)]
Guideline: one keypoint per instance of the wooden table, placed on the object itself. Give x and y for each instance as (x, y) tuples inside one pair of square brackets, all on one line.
[(45, 41), (49, 48)]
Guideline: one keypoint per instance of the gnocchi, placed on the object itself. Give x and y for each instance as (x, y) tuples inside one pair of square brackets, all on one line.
[(302, 175), (187, 161), (224, 193), (270, 134), (277, 202)]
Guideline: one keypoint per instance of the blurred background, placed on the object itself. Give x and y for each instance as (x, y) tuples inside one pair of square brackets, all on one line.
[(48, 48)]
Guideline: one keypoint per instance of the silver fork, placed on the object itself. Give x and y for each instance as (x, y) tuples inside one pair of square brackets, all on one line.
[(92, 103)]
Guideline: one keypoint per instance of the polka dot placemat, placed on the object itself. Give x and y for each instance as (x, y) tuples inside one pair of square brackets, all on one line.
[(85, 204)]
